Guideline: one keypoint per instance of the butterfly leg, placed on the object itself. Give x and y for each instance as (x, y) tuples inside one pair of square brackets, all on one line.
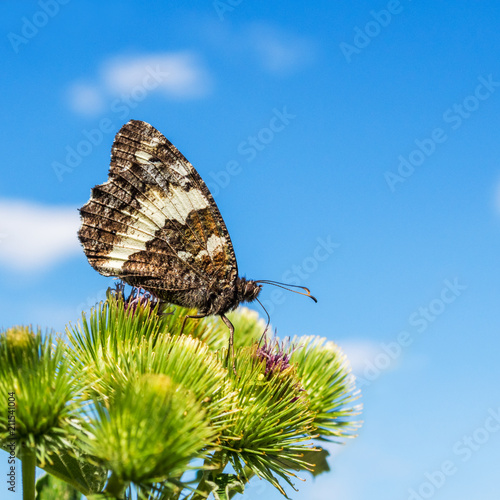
[(194, 316), (230, 350)]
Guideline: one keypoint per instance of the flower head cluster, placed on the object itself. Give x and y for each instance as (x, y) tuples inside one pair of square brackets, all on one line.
[(130, 401), (36, 372)]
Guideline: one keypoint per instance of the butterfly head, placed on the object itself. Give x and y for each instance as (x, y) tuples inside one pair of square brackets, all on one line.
[(247, 290)]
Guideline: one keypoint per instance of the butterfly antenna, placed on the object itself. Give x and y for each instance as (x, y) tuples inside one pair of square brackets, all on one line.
[(268, 320), (286, 286)]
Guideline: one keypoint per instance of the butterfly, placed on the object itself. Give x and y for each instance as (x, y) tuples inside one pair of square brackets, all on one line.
[(155, 225)]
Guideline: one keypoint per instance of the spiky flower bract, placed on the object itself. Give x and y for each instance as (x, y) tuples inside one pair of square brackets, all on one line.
[(190, 363)]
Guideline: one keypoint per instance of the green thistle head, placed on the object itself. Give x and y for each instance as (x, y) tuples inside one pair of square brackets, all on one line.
[(149, 432), (35, 369), (271, 427), (326, 377)]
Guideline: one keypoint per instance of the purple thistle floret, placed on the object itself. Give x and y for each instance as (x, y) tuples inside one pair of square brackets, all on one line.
[(138, 297), (276, 354)]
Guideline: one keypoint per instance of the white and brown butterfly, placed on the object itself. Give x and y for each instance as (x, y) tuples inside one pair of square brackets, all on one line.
[(155, 225)]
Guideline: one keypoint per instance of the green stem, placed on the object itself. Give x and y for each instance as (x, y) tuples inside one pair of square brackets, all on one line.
[(115, 487), (203, 489), (28, 467), (248, 474)]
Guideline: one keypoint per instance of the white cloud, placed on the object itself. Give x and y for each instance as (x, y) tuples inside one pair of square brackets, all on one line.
[(178, 75), (175, 75), (34, 236), (279, 51)]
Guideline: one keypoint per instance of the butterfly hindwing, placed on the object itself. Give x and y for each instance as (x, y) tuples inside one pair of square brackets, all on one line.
[(154, 222)]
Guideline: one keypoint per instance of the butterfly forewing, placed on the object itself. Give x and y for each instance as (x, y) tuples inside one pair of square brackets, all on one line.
[(154, 223)]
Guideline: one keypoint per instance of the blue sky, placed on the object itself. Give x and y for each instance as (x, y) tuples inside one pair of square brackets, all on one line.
[(350, 146)]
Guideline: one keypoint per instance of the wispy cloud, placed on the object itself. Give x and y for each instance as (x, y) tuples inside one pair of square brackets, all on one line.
[(175, 75), (35, 236), (279, 51), (263, 47)]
